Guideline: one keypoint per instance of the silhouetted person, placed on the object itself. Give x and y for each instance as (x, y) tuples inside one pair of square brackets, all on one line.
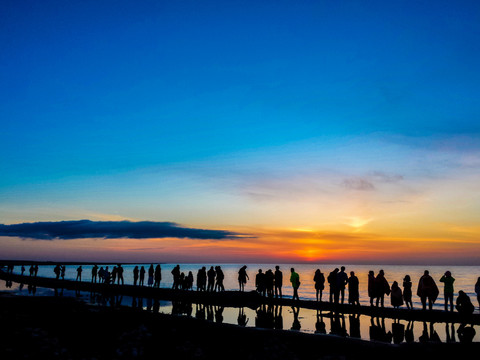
[(219, 279), (94, 273), (57, 270), (295, 280), (427, 290), (32, 270), (407, 291), (23, 270), (36, 270), (114, 275), (464, 305), (260, 282), (332, 281), (141, 280), (342, 279), (448, 281), (477, 291), (279, 282), (319, 280), (151, 275), (176, 277), (382, 288), (157, 276), (106, 276), (189, 281), (371, 286), (79, 273), (242, 277), (135, 275), (211, 279), (353, 292), (396, 296), (120, 274), (101, 275), (269, 281), (202, 279)]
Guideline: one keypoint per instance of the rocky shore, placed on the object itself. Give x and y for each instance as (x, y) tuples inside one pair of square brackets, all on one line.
[(63, 328)]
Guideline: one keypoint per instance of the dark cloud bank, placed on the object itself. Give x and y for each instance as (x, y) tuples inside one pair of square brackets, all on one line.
[(82, 229)]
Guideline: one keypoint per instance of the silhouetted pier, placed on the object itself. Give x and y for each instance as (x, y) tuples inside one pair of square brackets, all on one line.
[(250, 299)]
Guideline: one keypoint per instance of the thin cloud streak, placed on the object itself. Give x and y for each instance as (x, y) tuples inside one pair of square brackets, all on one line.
[(83, 229)]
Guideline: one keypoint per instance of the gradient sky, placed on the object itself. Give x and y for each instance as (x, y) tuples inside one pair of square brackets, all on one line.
[(321, 131)]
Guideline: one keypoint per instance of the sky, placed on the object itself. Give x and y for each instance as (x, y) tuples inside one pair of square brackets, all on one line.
[(240, 131)]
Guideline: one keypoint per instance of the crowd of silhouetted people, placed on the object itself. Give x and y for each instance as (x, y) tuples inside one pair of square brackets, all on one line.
[(269, 283)]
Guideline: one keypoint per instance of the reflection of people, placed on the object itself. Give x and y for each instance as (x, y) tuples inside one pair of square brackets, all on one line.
[(466, 333), (398, 331), (295, 280), (409, 332), (278, 318), (320, 324), (355, 325), (427, 289), (242, 318), (296, 323), (448, 281)]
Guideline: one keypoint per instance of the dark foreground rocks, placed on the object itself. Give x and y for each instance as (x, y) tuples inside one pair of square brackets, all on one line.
[(63, 328)]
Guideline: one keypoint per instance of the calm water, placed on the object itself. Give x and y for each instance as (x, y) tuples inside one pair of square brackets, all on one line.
[(306, 320)]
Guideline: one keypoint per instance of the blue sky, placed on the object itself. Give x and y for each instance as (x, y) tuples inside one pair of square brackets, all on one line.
[(156, 109)]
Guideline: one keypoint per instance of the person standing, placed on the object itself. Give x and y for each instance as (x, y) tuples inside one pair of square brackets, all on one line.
[(202, 279), (353, 292), (407, 292), (382, 288), (319, 280), (279, 282), (142, 276), (342, 279), (295, 280), (211, 279), (94, 273), (332, 281), (448, 281), (120, 274), (151, 274), (79, 273), (427, 290), (242, 277), (477, 291), (158, 276), (135, 275)]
